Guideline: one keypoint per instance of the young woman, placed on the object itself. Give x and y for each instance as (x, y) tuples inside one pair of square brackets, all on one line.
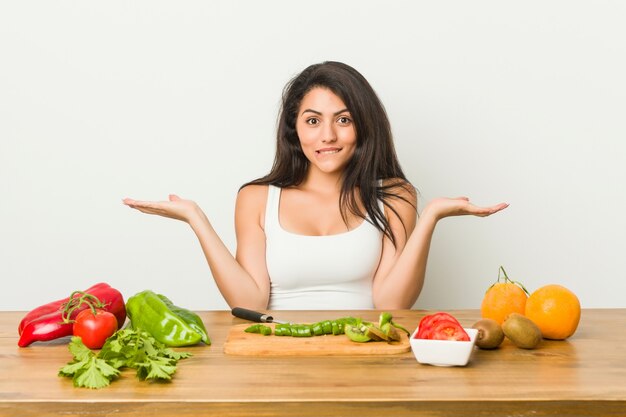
[(334, 224)]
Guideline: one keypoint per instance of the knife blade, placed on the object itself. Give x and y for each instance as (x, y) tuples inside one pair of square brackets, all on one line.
[(244, 313)]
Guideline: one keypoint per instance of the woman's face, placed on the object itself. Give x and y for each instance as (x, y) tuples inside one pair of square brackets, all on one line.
[(326, 130)]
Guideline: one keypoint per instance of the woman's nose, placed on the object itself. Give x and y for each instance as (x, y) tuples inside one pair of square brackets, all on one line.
[(329, 134)]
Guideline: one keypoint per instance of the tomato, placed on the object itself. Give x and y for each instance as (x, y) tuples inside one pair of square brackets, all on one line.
[(94, 329), (427, 323), (448, 330), (441, 326)]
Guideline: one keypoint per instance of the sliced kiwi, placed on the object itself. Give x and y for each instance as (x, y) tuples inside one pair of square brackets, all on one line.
[(391, 332), (376, 334), (357, 333)]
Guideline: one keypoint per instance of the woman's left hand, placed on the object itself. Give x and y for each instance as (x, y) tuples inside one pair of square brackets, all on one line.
[(460, 206)]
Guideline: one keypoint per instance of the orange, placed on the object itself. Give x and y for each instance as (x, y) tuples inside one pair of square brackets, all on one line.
[(503, 298), (555, 310)]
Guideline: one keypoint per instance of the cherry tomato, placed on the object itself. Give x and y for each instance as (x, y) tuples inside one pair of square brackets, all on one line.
[(94, 329)]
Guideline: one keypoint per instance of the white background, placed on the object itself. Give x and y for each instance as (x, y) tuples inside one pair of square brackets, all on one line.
[(523, 102)]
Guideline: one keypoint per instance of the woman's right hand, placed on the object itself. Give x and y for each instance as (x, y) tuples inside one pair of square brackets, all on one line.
[(174, 208)]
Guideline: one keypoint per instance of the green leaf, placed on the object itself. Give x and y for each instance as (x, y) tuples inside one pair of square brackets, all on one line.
[(73, 367), (142, 370), (156, 368), (91, 377), (112, 345), (159, 371), (149, 347), (170, 353), (106, 370), (115, 359), (79, 350)]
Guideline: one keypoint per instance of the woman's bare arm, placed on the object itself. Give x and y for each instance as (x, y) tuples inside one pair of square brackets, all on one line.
[(400, 276), (238, 286)]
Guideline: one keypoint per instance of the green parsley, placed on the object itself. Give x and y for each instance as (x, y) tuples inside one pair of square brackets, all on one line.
[(126, 348)]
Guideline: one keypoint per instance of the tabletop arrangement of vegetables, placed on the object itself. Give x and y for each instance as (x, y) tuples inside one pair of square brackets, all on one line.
[(103, 342), (95, 319)]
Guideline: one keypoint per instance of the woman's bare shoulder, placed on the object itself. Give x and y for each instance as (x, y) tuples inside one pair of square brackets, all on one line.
[(250, 204), (400, 202), (402, 189), (252, 195)]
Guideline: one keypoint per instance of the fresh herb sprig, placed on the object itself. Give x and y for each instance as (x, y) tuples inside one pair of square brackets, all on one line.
[(126, 348), (87, 370)]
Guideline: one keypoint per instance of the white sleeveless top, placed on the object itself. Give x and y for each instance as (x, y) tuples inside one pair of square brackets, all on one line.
[(333, 272)]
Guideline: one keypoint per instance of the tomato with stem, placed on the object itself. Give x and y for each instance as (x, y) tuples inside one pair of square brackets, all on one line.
[(94, 327)]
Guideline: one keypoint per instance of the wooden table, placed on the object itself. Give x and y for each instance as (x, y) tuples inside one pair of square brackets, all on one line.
[(583, 376)]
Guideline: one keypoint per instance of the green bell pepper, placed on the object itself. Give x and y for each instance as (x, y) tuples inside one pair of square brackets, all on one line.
[(190, 317), (167, 323), (326, 327), (259, 328)]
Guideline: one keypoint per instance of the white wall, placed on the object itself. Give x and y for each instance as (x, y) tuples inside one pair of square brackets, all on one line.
[(521, 102)]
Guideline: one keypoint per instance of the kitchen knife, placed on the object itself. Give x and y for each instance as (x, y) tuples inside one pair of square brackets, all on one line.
[(244, 313)]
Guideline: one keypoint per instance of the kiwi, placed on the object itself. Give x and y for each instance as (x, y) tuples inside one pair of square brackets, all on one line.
[(490, 334), (522, 331), (391, 332), (356, 333), (375, 333)]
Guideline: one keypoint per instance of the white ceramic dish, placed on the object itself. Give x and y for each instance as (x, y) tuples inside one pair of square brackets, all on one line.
[(443, 352)]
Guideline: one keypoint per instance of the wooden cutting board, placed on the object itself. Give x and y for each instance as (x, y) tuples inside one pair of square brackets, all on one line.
[(238, 342)]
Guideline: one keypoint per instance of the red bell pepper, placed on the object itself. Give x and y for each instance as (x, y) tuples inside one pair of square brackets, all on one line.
[(50, 308), (54, 320)]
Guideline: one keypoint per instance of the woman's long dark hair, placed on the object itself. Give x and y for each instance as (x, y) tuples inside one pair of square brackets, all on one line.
[(374, 158)]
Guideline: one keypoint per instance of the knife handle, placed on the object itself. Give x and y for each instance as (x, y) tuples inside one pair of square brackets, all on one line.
[(244, 313)]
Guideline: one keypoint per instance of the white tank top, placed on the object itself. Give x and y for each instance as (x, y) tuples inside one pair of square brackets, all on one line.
[(333, 272)]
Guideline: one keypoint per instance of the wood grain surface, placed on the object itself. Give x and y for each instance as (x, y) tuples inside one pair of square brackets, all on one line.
[(238, 342), (582, 376)]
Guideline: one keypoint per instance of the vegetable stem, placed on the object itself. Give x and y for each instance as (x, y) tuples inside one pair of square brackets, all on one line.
[(74, 303)]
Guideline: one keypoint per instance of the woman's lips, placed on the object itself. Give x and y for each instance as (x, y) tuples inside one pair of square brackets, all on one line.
[(327, 151)]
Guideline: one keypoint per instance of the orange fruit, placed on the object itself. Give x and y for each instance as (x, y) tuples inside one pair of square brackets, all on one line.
[(555, 310), (503, 298)]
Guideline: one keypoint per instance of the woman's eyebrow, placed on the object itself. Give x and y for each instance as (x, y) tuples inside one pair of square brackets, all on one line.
[(312, 111), (320, 113)]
